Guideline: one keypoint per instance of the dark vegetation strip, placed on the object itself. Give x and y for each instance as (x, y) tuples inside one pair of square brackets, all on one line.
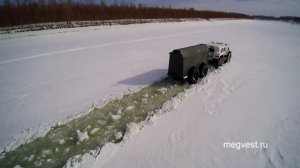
[(21, 12), (292, 19), (73, 24)]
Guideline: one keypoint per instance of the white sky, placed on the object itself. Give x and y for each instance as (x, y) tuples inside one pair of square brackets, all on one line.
[(252, 7)]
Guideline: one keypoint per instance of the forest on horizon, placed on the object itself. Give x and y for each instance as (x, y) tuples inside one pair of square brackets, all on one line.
[(22, 12)]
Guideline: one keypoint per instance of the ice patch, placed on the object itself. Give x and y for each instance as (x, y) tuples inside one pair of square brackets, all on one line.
[(17, 166), (116, 117), (101, 122), (38, 163), (80, 161), (144, 100), (111, 148), (94, 131), (81, 136), (61, 141), (106, 153), (118, 136), (162, 90), (129, 108), (45, 153), (31, 157), (67, 150), (120, 111), (2, 155), (95, 152), (131, 129), (110, 127)]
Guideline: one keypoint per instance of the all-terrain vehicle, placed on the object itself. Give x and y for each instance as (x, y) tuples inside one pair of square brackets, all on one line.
[(219, 53), (190, 62)]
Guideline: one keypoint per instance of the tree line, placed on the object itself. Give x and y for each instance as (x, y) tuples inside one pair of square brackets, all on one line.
[(20, 12), (281, 18)]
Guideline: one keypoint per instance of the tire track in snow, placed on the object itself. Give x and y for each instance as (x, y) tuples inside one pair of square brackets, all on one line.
[(224, 87), (216, 85), (175, 137), (272, 157), (47, 54)]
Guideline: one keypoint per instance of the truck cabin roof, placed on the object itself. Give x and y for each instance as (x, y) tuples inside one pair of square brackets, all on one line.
[(181, 50), (217, 45)]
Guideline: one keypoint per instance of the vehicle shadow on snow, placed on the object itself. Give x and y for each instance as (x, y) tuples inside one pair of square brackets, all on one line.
[(145, 78)]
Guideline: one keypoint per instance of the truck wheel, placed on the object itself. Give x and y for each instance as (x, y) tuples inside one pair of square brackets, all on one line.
[(193, 75), (203, 70), (222, 61), (219, 62), (225, 59), (229, 57)]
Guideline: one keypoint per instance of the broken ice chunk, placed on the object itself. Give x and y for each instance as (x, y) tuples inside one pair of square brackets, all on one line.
[(115, 117), (61, 141), (120, 111), (17, 166), (94, 131), (162, 90), (88, 127), (144, 100), (81, 136), (45, 152), (118, 136), (31, 157), (129, 108)]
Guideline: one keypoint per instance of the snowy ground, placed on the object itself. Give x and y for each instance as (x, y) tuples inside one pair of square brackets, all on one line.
[(254, 98), (47, 76)]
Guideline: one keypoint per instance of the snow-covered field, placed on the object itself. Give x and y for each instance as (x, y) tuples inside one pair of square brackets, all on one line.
[(255, 98), (47, 76)]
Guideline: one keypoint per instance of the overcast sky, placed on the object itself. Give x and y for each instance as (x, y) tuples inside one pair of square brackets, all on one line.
[(252, 7)]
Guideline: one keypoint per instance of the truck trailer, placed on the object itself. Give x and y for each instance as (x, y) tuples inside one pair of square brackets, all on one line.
[(192, 62)]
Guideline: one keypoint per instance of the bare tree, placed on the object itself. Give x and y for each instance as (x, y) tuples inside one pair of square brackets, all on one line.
[(41, 2), (115, 3), (7, 3), (90, 2), (52, 2), (103, 3)]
